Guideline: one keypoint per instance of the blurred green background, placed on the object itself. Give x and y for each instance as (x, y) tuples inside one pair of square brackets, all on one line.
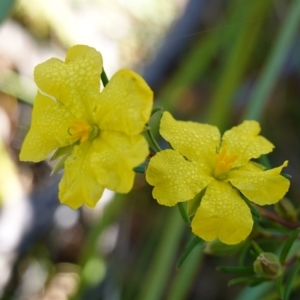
[(219, 62)]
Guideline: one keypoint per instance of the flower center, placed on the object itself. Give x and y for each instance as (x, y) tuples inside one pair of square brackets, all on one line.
[(82, 131), (224, 163)]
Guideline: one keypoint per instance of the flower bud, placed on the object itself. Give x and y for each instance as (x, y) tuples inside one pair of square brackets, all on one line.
[(267, 265), (286, 209)]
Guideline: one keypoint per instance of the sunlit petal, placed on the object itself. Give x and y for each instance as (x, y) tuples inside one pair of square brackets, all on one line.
[(196, 141), (115, 156), (222, 214), (125, 103), (261, 187), (48, 130), (79, 185), (174, 178), (75, 82), (244, 141)]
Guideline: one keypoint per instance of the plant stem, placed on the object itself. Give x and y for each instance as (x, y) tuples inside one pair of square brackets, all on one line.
[(271, 216)]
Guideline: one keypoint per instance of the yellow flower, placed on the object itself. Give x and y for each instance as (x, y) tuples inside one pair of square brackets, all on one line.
[(221, 168), (100, 129)]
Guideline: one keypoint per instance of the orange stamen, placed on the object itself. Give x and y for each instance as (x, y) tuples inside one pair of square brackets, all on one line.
[(224, 163), (80, 130)]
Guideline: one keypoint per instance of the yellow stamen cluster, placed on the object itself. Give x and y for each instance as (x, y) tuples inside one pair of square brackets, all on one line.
[(79, 130), (224, 163)]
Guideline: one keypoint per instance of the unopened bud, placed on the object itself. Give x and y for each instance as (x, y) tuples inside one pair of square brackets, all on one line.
[(268, 265), (286, 209)]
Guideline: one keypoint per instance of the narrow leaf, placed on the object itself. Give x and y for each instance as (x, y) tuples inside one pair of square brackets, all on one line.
[(62, 151), (279, 286), (104, 78), (191, 245), (60, 165), (291, 279), (155, 110), (248, 280), (139, 169), (183, 213), (237, 270), (256, 247), (288, 244)]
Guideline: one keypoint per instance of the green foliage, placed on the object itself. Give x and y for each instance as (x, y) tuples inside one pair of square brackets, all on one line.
[(5, 8)]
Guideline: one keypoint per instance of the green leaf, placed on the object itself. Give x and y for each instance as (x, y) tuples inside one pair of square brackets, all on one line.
[(288, 176), (5, 8), (248, 280), (244, 252), (183, 213), (279, 286), (62, 151), (191, 245), (291, 279), (156, 109), (274, 64), (237, 270), (60, 165), (288, 244), (193, 204), (104, 78), (139, 169), (256, 247), (155, 144), (264, 160)]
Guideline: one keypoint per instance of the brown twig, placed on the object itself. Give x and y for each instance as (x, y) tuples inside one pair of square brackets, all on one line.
[(271, 216)]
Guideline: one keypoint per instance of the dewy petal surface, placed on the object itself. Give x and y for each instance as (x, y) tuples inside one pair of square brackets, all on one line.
[(125, 103), (115, 156), (174, 178), (79, 185), (245, 141), (222, 214), (197, 142), (48, 131), (260, 187), (75, 82)]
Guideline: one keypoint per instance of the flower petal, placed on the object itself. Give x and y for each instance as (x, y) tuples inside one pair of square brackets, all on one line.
[(197, 142), (261, 187), (174, 178), (125, 103), (79, 185), (75, 82), (222, 214), (48, 131), (245, 141), (115, 156)]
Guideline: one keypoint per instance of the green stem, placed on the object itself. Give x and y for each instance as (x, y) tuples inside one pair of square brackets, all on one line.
[(104, 78)]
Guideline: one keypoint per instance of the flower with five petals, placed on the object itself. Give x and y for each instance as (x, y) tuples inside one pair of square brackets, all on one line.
[(99, 131), (221, 169)]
